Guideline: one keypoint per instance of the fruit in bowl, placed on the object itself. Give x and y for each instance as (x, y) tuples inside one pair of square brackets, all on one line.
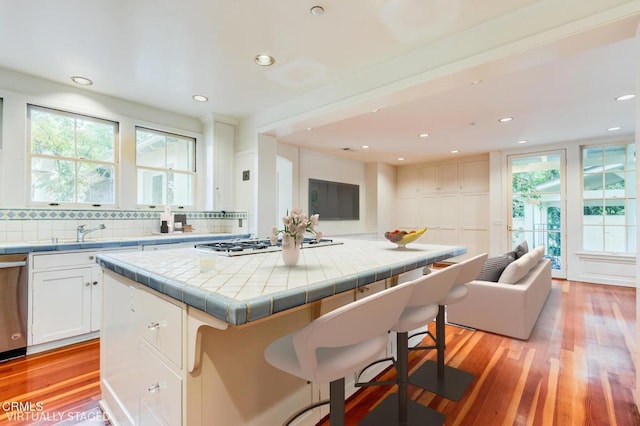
[(402, 238)]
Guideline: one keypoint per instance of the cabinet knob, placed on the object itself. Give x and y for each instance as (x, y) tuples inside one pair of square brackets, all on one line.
[(363, 289), (95, 283), (153, 326), (154, 388), (91, 257), (87, 284)]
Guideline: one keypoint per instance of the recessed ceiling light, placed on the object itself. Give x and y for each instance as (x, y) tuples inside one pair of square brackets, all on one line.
[(309, 129), (505, 119), (614, 128), (454, 151), (365, 147), (626, 97), (375, 110), (424, 135), (523, 141), (200, 98), (476, 82), (317, 10), (400, 158), (83, 81), (264, 60)]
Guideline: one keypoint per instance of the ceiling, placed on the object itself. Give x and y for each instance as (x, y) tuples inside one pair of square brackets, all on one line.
[(162, 52)]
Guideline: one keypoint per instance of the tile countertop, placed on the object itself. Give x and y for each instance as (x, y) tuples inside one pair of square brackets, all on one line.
[(247, 288), (28, 247)]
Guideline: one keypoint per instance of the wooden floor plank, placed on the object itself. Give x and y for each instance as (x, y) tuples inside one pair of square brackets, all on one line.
[(577, 368)]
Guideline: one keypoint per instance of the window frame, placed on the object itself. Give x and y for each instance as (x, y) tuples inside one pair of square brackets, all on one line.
[(629, 222), (192, 173), (31, 155)]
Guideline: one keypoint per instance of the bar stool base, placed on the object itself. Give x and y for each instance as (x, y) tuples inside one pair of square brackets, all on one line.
[(386, 414), (452, 385)]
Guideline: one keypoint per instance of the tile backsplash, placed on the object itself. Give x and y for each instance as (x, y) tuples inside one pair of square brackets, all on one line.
[(31, 225)]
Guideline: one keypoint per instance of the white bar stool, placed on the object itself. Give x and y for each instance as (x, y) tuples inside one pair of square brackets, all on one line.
[(398, 409), (339, 343), (436, 377)]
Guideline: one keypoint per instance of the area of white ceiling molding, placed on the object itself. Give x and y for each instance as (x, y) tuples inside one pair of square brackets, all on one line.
[(298, 72), (449, 63), (411, 20)]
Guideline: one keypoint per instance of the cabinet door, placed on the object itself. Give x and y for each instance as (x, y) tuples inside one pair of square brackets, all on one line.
[(409, 183), (61, 304), (430, 183), (224, 148), (96, 297), (474, 176), (448, 178)]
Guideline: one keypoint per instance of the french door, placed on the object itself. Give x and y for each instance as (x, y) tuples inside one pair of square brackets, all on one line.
[(537, 204)]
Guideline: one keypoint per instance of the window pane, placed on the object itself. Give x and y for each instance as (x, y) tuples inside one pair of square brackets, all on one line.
[(95, 140), (592, 158), (631, 212), (151, 184), (592, 212), (631, 156), (95, 183), (150, 149), (52, 134), (592, 185), (615, 239), (179, 189), (180, 154), (592, 238), (615, 156), (631, 239), (614, 212), (52, 180)]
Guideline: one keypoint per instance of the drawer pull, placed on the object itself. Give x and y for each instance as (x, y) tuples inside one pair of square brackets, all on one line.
[(154, 388), (153, 326)]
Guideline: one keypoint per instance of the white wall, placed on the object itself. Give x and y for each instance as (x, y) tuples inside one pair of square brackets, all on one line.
[(315, 165)]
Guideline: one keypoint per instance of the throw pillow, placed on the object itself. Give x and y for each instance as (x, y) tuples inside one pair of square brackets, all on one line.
[(521, 249), (518, 269), (493, 267)]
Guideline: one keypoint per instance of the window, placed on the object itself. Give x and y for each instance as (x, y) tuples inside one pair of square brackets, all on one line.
[(72, 157), (609, 198), (166, 168)]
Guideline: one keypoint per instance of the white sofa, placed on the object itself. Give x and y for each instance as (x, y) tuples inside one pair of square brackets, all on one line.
[(506, 308)]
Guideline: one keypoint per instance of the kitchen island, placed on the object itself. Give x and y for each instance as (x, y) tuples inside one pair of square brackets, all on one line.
[(181, 346)]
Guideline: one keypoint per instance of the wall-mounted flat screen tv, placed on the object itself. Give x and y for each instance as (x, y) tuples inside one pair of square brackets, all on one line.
[(334, 200)]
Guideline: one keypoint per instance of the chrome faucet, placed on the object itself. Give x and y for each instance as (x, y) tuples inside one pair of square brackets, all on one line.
[(82, 232)]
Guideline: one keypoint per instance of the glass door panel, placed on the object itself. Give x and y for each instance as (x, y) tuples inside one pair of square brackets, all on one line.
[(537, 204)]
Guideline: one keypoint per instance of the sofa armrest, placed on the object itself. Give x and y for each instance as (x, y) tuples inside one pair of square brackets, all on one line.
[(508, 309)]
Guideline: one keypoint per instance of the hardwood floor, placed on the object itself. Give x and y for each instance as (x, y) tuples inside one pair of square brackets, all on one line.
[(577, 368)]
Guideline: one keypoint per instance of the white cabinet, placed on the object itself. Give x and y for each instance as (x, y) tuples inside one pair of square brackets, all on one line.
[(450, 199), (440, 179), (142, 345), (65, 294), (409, 183), (65, 298), (224, 151)]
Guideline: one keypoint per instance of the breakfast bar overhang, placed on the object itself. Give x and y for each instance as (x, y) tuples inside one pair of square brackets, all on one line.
[(185, 346)]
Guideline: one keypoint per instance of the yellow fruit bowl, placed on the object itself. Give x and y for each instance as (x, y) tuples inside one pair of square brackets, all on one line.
[(402, 238)]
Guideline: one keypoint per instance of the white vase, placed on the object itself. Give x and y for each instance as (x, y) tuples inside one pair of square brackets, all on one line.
[(290, 253)]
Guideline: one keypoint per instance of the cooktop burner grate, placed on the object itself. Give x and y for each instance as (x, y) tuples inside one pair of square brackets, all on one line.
[(243, 247)]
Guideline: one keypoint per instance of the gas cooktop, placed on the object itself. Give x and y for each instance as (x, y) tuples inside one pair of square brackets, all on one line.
[(254, 246)]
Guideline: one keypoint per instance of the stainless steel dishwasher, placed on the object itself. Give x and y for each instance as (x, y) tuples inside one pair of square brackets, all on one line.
[(13, 306)]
